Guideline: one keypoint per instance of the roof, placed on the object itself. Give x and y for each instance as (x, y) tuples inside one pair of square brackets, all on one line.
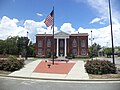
[(80, 34), (62, 34)]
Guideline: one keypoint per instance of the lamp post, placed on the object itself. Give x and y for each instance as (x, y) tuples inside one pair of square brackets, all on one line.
[(26, 46), (45, 45), (91, 39)]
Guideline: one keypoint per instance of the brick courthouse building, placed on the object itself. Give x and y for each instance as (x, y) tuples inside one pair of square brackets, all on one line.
[(64, 43)]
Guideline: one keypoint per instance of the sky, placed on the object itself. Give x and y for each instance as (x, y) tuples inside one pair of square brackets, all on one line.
[(17, 17)]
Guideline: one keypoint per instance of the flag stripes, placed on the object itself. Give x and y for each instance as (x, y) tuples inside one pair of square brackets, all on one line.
[(49, 20)]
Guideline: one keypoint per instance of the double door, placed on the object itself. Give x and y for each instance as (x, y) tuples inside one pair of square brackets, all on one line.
[(61, 47)]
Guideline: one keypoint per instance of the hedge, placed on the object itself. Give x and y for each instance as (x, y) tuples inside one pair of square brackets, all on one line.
[(100, 67), (11, 64)]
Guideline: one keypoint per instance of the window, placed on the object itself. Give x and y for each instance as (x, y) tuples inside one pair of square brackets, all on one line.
[(40, 52), (83, 43), (83, 52), (48, 43), (74, 51), (40, 44), (74, 43), (48, 53)]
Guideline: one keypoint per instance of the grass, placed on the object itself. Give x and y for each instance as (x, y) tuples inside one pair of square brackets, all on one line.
[(105, 76)]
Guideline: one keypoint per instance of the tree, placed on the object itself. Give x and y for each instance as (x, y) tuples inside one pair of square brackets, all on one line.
[(11, 45), (93, 50), (16, 45), (108, 52), (2, 47), (31, 49)]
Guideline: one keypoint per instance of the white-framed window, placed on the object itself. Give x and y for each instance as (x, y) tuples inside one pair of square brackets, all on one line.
[(48, 43), (83, 52), (74, 43), (74, 51), (40, 44), (83, 43), (40, 51)]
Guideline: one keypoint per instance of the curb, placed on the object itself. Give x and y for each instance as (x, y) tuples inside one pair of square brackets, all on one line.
[(2, 75)]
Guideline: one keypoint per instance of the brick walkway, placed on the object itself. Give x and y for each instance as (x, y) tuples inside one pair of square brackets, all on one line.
[(57, 68)]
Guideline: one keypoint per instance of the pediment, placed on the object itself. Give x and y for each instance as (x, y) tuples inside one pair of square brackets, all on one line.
[(61, 34)]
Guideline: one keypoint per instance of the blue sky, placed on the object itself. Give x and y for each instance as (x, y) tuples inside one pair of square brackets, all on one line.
[(72, 16)]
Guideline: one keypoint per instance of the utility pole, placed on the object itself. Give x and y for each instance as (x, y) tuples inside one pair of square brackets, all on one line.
[(53, 37), (45, 45), (111, 32)]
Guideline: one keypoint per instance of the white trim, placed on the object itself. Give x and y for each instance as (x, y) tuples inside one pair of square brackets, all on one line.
[(57, 47), (65, 48)]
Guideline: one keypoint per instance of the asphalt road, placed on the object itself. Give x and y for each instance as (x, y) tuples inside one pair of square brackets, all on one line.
[(32, 84)]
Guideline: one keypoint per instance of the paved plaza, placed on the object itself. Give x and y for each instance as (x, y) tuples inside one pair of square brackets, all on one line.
[(72, 70)]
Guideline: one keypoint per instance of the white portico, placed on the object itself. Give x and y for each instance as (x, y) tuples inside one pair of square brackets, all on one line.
[(61, 43)]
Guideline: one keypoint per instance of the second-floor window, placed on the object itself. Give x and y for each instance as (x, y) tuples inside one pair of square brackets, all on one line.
[(48, 43), (40, 44), (74, 43), (83, 43)]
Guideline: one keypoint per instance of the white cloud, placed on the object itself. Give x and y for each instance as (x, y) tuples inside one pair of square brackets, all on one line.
[(101, 6), (99, 20), (67, 27), (10, 27), (103, 35), (95, 20), (39, 14)]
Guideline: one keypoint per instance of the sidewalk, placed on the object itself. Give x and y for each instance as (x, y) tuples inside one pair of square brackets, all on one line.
[(76, 73)]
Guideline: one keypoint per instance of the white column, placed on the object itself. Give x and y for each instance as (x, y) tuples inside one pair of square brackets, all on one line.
[(65, 48), (57, 47)]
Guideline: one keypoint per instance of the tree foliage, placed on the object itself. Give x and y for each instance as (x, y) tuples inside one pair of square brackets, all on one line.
[(15, 46), (93, 50), (108, 52)]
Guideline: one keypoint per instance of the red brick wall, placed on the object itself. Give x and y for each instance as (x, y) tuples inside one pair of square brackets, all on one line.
[(69, 44)]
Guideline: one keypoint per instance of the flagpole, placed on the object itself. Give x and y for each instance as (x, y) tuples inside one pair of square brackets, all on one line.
[(111, 32), (53, 37)]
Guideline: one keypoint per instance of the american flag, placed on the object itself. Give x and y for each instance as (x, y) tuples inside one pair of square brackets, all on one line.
[(49, 20)]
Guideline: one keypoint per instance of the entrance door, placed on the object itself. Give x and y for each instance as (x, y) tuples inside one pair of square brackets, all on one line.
[(61, 47)]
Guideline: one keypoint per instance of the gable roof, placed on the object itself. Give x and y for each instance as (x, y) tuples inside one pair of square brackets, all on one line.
[(61, 34)]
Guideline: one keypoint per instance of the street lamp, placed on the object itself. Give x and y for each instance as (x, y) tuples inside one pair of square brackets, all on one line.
[(91, 39), (26, 46)]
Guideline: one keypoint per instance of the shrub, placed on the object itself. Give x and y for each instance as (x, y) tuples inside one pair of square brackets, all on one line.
[(11, 57), (11, 64), (1, 64), (100, 67), (70, 55)]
